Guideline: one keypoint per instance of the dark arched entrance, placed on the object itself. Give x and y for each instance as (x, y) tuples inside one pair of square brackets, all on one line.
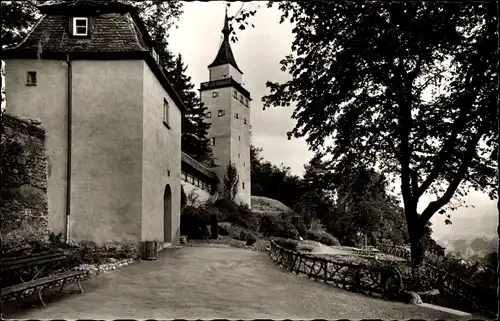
[(167, 215)]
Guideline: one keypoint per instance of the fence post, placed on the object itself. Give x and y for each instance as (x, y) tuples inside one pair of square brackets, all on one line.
[(325, 262)]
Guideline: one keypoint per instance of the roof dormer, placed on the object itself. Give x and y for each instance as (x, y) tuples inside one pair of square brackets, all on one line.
[(79, 26)]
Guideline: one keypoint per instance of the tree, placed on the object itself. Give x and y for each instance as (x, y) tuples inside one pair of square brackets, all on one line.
[(17, 19), (231, 181), (159, 17), (195, 141), (373, 103)]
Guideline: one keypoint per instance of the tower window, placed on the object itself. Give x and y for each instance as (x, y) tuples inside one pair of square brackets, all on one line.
[(243, 164), (221, 112), (31, 78), (80, 26), (241, 99), (236, 115), (235, 94), (245, 121), (209, 114), (215, 94), (213, 141), (242, 185), (238, 155), (166, 108), (239, 138)]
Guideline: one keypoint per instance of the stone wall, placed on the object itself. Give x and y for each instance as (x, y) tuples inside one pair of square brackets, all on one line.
[(23, 168)]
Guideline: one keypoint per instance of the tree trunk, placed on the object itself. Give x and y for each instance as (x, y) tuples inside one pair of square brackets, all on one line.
[(417, 249)]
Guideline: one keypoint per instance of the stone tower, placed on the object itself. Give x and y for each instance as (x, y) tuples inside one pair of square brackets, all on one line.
[(228, 111)]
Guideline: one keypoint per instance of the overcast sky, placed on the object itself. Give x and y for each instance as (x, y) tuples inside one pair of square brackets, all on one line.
[(258, 53)]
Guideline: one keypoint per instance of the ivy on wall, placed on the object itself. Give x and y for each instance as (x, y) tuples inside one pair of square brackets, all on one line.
[(23, 168)]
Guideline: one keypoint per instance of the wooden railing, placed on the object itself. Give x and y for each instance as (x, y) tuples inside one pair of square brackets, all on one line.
[(377, 279)]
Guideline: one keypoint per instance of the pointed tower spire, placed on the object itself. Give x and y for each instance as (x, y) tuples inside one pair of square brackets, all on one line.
[(226, 31), (225, 54)]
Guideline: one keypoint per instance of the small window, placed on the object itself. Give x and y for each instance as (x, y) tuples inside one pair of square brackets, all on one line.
[(215, 94), (235, 94), (31, 78), (221, 112), (213, 141), (238, 155), (166, 108), (242, 185), (236, 115), (243, 164), (209, 114), (80, 26), (245, 121), (241, 99), (246, 102), (239, 138)]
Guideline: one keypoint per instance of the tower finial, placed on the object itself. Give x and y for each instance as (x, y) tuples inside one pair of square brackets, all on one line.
[(226, 31)]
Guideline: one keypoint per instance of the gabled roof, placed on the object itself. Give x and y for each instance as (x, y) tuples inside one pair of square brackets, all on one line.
[(225, 54), (117, 32)]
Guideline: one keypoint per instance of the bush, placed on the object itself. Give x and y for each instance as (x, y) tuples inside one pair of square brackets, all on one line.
[(237, 214), (225, 228), (251, 239), (272, 225), (214, 226), (299, 223), (194, 222), (243, 234), (323, 237), (29, 238), (288, 243)]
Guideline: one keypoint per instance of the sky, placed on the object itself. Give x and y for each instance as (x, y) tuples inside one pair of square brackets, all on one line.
[(257, 53)]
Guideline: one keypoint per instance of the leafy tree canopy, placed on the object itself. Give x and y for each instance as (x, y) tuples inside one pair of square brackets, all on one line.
[(408, 88)]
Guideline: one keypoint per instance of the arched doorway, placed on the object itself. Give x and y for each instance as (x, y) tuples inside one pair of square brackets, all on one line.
[(167, 215)]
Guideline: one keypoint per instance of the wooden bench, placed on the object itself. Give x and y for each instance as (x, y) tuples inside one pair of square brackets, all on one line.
[(43, 270)]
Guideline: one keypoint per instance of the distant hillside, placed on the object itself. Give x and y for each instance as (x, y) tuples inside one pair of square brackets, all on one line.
[(262, 204)]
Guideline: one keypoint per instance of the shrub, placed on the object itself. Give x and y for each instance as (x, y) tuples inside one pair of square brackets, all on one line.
[(214, 226), (237, 214), (299, 223), (194, 222), (272, 225), (322, 237), (225, 228), (251, 239), (288, 243), (243, 234), (29, 238)]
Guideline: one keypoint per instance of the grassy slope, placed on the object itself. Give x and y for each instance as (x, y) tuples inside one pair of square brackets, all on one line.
[(264, 204)]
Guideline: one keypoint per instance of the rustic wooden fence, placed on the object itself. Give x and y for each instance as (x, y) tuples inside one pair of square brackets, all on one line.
[(462, 293), (379, 279)]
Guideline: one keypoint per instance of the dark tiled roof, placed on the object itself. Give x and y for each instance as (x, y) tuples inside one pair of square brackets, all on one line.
[(225, 54), (194, 165), (111, 32), (116, 33)]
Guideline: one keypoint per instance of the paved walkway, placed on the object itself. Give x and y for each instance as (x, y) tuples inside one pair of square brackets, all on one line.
[(209, 283)]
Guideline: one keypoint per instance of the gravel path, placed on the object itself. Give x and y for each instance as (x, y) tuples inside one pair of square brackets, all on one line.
[(208, 283)]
